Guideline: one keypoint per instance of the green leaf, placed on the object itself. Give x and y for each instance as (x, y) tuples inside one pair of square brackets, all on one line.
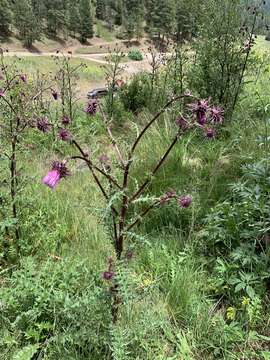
[(26, 353)]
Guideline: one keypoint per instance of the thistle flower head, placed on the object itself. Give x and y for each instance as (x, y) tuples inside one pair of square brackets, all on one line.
[(108, 275), (57, 172), (43, 125), (55, 95), (209, 133), (216, 114), (185, 201), (2, 93), (64, 135), (104, 159), (65, 120), (200, 109), (23, 77), (91, 107)]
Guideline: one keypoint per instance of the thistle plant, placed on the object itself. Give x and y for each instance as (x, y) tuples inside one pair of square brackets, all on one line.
[(66, 81), (113, 73), (113, 178), (20, 111)]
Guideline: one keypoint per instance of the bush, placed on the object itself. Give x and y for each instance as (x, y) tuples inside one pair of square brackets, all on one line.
[(237, 235), (135, 95), (135, 55)]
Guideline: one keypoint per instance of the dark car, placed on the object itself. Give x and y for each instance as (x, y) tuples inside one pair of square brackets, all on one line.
[(100, 92), (97, 93)]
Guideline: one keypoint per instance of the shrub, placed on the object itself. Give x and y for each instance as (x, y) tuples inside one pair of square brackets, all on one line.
[(135, 55), (237, 234)]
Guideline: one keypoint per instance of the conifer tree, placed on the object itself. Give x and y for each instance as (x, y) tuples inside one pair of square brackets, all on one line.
[(86, 21), (73, 18), (26, 22), (101, 9), (5, 17)]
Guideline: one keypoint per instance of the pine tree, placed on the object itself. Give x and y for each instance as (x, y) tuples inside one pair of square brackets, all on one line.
[(133, 17), (73, 18), (26, 22), (86, 21), (5, 17), (163, 17), (101, 10)]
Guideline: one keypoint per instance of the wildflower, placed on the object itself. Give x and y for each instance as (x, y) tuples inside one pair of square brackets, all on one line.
[(2, 93), (182, 123), (216, 114), (57, 172), (210, 133), (65, 120), (64, 135), (55, 95), (200, 109), (104, 159), (169, 195), (43, 125), (23, 77), (108, 275), (185, 201), (91, 107)]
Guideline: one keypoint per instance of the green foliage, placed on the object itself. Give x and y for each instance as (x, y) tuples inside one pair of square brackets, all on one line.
[(86, 29), (5, 17), (135, 94), (135, 55), (236, 231), (53, 316), (26, 22)]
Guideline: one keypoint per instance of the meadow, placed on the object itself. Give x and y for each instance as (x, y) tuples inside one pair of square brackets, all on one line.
[(191, 281)]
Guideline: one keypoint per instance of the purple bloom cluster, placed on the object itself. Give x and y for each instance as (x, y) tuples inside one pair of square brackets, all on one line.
[(91, 107), (23, 77), (58, 171), (206, 114), (109, 274), (183, 201), (66, 120), (43, 125), (64, 135)]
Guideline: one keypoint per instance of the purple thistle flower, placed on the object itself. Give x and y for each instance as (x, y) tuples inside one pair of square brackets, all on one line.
[(91, 107), (57, 172), (43, 125), (108, 275), (23, 77), (182, 123), (210, 133), (200, 109), (55, 95), (2, 93), (168, 196), (104, 159), (216, 114), (185, 201), (66, 120), (64, 135)]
